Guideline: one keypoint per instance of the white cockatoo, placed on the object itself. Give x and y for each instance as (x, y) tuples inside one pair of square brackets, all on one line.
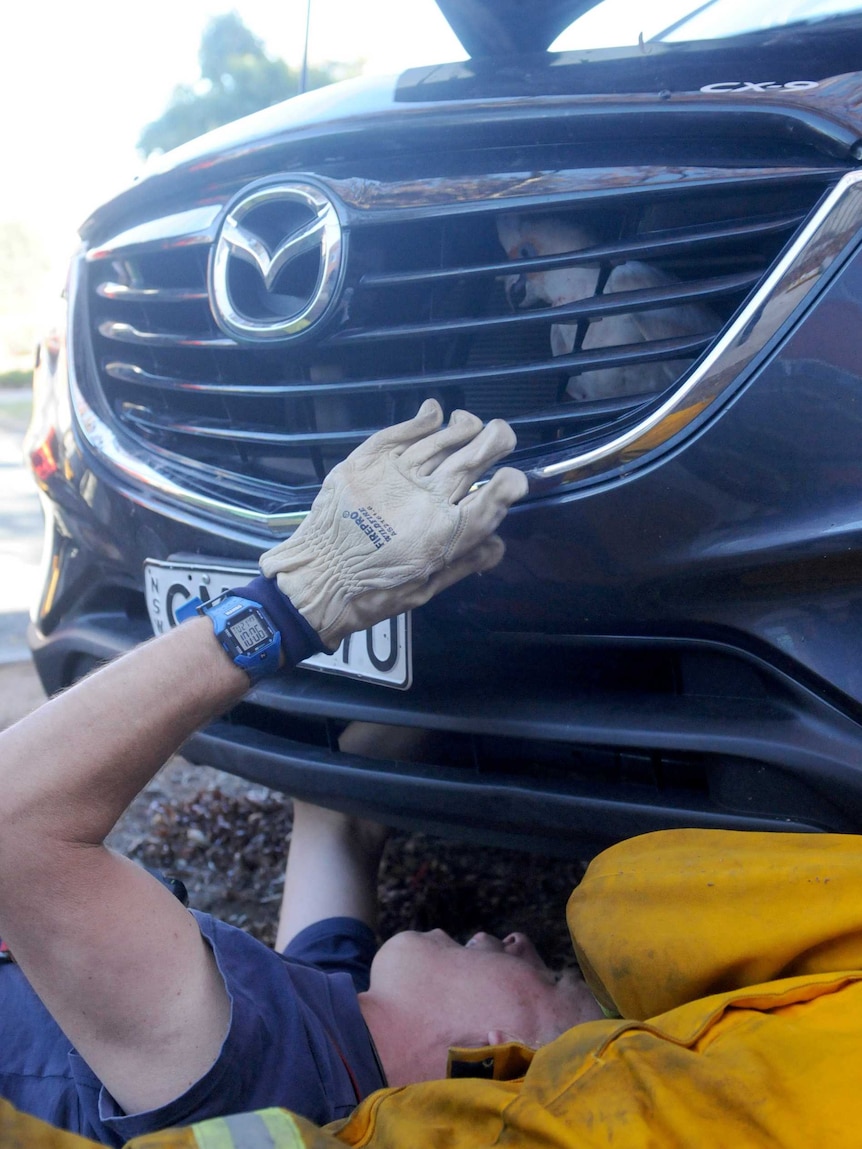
[(526, 238)]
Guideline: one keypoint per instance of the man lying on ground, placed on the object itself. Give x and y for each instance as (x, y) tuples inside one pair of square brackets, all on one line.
[(735, 963), (136, 1014)]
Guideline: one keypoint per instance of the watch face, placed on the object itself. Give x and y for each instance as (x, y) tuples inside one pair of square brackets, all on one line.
[(249, 633)]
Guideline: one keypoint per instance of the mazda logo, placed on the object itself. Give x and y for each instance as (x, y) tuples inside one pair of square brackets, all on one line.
[(277, 261)]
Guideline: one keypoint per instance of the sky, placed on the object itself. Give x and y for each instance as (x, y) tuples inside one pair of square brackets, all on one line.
[(84, 77)]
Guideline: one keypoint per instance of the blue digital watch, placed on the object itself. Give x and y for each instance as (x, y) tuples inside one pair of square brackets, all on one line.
[(244, 630)]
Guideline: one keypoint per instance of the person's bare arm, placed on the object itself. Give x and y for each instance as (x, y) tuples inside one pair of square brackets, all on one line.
[(331, 870), (333, 859), (117, 960)]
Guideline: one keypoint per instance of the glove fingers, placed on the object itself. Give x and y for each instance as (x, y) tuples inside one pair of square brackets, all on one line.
[(426, 420), (483, 510), (507, 483), (457, 473), (424, 456)]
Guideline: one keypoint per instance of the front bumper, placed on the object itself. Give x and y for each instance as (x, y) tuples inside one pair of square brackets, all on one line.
[(559, 747)]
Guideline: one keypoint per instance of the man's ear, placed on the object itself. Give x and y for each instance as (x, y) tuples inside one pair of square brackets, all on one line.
[(500, 1037)]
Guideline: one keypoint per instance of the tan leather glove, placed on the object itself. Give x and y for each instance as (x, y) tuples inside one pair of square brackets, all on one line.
[(395, 523)]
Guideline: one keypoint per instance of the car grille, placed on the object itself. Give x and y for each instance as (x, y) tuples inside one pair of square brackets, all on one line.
[(564, 303)]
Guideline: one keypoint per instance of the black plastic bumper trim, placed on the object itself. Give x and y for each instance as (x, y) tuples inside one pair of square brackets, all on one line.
[(405, 795)]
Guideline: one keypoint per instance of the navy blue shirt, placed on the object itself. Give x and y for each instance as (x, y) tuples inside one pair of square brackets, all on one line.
[(296, 1039)]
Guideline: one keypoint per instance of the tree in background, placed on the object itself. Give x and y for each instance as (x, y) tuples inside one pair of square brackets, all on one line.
[(23, 270), (237, 78)]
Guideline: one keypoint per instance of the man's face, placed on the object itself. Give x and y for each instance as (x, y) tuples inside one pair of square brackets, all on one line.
[(486, 991)]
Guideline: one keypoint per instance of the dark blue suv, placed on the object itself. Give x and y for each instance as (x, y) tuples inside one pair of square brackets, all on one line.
[(647, 259)]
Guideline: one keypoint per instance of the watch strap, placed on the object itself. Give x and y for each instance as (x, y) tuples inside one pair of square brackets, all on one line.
[(298, 637)]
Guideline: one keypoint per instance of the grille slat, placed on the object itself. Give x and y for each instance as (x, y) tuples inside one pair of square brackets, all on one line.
[(603, 306), (572, 416), (654, 351), (613, 252), (126, 333), (148, 420), (127, 294)]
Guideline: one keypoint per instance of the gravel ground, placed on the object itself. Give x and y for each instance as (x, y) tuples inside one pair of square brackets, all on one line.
[(227, 842)]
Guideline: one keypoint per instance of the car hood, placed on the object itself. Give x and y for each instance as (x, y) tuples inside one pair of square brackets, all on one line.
[(500, 27), (711, 76)]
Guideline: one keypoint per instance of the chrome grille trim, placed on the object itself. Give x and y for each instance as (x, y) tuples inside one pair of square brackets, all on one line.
[(829, 233), (149, 294), (132, 373), (509, 191), (126, 333), (154, 488), (349, 439)]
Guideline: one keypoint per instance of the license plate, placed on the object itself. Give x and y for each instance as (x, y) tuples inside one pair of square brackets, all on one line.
[(381, 654)]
